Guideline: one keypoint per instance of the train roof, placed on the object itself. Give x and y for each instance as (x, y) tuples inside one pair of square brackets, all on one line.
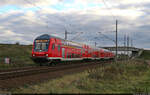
[(46, 36)]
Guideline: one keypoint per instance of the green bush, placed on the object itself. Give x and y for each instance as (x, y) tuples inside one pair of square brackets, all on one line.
[(145, 55)]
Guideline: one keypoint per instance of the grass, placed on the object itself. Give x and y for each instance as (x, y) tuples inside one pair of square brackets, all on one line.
[(122, 77), (20, 55), (145, 55)]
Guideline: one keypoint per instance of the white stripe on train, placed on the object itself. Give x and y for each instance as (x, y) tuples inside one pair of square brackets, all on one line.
[(69, 59)]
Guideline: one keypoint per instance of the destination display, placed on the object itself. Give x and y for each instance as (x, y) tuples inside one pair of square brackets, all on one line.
[(39, 41)]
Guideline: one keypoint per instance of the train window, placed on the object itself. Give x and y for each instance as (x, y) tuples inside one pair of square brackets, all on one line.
[(58, 47), (84, 50), (53, 46), (44, 46), (38, 46), (41, 46)]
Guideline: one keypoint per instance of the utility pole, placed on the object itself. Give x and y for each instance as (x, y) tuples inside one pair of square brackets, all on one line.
[(124, 44), (95, 44), (116, 39), (131, 42), (128, 45), (66, 34)]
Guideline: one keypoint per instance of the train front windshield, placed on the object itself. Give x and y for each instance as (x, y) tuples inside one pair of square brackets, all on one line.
[(41, 45)]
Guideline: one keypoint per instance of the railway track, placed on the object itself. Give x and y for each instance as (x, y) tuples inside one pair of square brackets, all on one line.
[(35, 70), (17, 68), (16, 78)]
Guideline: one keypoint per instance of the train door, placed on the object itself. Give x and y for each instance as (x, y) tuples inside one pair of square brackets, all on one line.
[(53, 47), (58, 48), (63, 52)]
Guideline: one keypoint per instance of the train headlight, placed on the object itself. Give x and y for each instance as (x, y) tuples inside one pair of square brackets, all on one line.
[(33, 54), (47, 55)]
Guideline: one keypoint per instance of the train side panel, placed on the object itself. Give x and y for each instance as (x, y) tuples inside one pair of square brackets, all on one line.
[(53, 48)]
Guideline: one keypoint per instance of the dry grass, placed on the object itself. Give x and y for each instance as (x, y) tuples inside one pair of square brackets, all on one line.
[(120, 77)]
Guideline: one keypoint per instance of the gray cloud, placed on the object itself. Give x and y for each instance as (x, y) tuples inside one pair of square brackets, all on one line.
[(26, 26), (29, 3)]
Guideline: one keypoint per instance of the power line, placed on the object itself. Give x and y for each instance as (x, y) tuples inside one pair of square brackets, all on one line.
[(107, 37), (116, 42), (77, 36)]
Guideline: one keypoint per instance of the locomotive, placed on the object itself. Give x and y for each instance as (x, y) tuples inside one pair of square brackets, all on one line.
[(50, 48)]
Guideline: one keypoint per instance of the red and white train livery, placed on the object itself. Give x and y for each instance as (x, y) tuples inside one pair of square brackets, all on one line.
[(53, 48)]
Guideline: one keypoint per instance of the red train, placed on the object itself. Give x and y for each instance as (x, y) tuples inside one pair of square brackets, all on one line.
[(53, 48)]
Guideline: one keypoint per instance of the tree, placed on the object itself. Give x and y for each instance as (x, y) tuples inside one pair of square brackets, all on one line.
[(17, 43)]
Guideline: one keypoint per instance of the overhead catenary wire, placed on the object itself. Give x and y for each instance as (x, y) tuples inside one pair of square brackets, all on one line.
[(64, 18), (61, 19), (107, 37), (77, 35)]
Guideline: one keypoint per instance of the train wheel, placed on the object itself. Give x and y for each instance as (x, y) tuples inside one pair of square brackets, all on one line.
[(49, 63), (52, 64)]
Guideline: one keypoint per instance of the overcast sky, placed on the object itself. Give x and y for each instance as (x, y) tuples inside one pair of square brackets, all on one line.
[(23, 20)]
